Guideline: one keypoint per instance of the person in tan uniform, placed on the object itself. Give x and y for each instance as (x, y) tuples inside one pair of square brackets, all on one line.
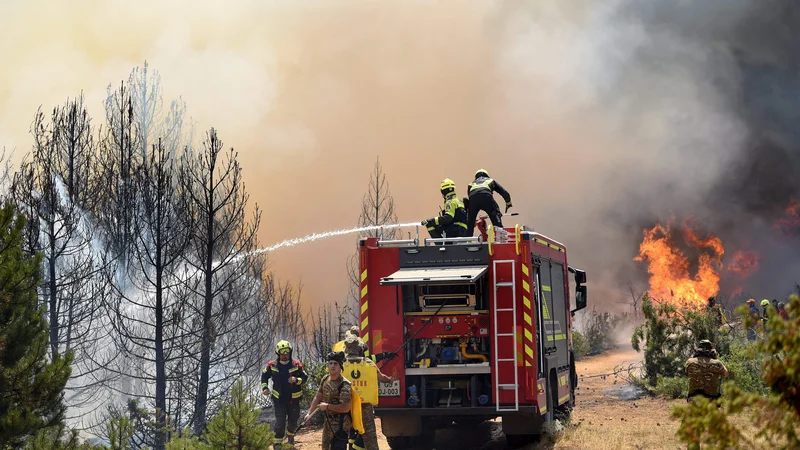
[(705, 372), (333, 398), (354, 347)]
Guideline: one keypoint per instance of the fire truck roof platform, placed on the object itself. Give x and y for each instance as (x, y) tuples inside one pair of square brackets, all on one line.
[(506, 235)]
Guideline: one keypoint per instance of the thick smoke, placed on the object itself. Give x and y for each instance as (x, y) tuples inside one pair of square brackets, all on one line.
[(600, 118)]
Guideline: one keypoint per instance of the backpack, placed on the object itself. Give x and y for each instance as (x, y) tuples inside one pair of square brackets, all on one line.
[(340, 439)]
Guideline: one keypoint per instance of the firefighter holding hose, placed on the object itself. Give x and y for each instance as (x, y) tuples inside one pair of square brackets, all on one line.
[(452, 222), (334, 398)]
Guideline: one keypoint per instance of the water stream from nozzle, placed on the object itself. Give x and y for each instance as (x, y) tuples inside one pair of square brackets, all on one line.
[(326, 234)]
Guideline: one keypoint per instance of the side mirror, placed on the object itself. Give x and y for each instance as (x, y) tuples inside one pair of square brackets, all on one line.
[(580, 298), (580, 277)]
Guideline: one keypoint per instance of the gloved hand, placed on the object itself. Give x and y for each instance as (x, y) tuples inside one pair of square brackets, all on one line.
[(508, 205), (424, 223)]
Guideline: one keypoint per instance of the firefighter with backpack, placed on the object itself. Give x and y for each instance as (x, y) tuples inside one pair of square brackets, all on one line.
[(365, 376), (340, 404)]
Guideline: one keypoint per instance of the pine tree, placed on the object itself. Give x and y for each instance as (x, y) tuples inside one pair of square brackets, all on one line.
[(31, 387), (235, 426)]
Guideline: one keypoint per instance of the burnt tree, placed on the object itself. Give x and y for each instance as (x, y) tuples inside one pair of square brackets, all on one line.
[(226, 278), (55, 188), (118, 164), (377, 208), (162, 226)]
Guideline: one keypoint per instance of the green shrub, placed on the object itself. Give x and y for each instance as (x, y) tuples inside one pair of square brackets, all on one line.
[(669, 336), (185, 442), (745, 370), (599, 331), (58, 437), (666, 347), (672, 387), (580, 346), (236, 425), (315, 371)]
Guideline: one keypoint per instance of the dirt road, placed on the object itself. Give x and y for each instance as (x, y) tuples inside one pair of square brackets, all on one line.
[(606, 417)]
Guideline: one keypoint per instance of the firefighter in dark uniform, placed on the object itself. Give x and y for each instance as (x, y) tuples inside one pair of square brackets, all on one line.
[(333, 399), (354, 351), (480, 198), (452, 222), (287, 376)]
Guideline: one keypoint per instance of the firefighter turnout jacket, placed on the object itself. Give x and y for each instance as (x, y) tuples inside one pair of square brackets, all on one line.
[(282, 390), (487, 185), (454, 213)]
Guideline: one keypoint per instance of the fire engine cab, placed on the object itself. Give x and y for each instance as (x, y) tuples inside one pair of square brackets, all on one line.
[(481, 327)]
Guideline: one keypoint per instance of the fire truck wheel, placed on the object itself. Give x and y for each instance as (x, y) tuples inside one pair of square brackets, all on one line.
[(399, 442)]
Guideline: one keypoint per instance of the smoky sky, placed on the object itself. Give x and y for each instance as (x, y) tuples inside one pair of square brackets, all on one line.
[(600, 118)]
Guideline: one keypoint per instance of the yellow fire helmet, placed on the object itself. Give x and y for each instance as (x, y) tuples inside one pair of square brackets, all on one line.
[(283, 345), (447, 186)]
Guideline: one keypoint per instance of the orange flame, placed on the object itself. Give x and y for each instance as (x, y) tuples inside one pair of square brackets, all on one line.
[(744, 263), (790, 222), (669, 266)]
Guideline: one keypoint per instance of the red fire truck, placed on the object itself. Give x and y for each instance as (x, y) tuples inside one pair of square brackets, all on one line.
[(480, 328)]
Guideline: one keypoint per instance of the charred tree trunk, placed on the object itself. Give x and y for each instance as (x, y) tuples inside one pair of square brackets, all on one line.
[(229, 277)]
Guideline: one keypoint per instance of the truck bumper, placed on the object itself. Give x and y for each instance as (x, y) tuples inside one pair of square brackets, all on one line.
[(477, 411)]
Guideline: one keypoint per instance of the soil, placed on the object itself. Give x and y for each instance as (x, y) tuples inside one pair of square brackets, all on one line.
[(609, 415)]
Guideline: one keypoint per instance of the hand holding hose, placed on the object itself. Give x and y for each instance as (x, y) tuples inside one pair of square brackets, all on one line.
[(308, 416)]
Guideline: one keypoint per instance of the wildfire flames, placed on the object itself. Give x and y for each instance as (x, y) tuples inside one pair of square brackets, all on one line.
[(670, 263), (669, 266), (790, 222)]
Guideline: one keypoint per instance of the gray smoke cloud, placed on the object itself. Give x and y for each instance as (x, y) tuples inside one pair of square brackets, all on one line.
[(601, 118), (670, 108)]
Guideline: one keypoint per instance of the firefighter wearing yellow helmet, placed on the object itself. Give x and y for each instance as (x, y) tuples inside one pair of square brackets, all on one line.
[(452, 221), (764, 315), (288, 376), (480, 195)]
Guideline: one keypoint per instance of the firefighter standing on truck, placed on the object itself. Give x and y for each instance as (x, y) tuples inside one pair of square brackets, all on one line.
[(452, 222), (359, 369), (287, 376), (333, 398), (480, 193)]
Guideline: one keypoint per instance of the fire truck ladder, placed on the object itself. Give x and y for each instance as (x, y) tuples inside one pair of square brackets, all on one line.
[(504, 337)]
